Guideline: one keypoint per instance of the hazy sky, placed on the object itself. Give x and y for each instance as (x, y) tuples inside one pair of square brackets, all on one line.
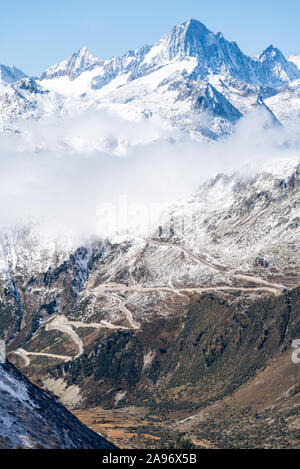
[(35, 34)]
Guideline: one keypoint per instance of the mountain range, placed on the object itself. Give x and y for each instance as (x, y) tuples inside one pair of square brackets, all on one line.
[(186, 330), (191, 78)]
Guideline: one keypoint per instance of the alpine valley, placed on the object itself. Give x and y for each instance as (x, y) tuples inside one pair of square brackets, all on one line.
[(182, 335)]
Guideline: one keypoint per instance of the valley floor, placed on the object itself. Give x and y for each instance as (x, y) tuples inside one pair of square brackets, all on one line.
[(264, 413)]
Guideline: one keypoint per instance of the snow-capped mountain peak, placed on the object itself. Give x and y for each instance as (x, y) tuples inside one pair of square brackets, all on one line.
[(270, 51), (216, 55), (191, 78), (10, 74), (187, 39), (278, 65), (81, 61)]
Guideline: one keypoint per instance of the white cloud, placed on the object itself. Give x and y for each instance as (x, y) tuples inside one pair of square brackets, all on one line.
[(61, 171)]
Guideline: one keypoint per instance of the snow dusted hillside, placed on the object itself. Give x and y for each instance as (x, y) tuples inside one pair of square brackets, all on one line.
[(191, 78), (237, 236), (235, 233), (233, 225), (25, 99), (247, 223), (31, 418), (286, 104)]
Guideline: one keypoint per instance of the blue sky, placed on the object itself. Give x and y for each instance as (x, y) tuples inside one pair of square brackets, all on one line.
[(34, 34)]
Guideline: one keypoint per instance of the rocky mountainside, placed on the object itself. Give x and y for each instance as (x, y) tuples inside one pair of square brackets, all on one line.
[(116, 313), (192, 79), (31, 418)]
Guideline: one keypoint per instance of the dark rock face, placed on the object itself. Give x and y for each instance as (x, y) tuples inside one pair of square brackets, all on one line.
[(213, 101), (31, 418)]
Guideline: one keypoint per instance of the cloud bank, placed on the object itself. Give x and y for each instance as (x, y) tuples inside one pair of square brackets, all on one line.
[(70, 172)]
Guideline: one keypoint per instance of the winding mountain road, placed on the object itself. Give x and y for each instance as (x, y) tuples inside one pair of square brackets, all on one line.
[(113, 290), (25, 355), (103, 289), (121, 305), (63, 326), (220, 269)]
